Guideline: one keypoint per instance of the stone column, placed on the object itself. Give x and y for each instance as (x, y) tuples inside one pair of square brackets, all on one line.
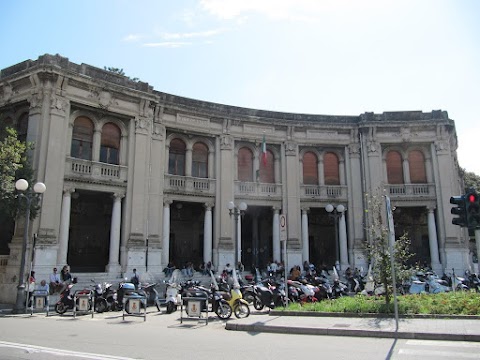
[(305, 242), (96, 145), (276, 235), (342, 236), (433, 242), (64, 226), (166, 231), (207, 233), (321, 172), (113, 264), (406, 171), (188, 160)]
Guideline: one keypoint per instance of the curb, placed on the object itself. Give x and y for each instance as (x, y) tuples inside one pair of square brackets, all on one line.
[(258, 327), (365, 315)]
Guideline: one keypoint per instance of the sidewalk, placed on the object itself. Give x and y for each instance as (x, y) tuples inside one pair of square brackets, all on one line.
[(456, 329)]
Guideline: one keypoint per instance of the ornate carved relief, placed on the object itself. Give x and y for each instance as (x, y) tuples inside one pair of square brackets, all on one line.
[(104, 98), (226, 142), (354, 148), (36, 100), (141, 125), (290, 148), (7, 93), (58, 103), (158, 131)]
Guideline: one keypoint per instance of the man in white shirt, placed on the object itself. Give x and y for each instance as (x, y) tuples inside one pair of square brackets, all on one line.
[(55, 282)]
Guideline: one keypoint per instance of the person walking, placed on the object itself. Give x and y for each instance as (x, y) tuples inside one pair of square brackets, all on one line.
[(30, 287)]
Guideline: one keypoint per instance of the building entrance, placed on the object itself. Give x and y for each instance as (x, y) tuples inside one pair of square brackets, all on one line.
[(186, 234), (89, 236)]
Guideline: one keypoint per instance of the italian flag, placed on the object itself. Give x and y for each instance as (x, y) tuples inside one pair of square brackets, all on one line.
[(264, 151)]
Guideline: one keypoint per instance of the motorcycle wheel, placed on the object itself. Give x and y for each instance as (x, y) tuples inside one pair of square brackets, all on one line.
[(101, 306), (60, 308), (257, 303), (241, 310), (171, 307), (223, 310)]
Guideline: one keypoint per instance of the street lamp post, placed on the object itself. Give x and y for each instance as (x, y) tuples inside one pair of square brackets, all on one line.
[(336, 213), (236, 211), (28, 194)]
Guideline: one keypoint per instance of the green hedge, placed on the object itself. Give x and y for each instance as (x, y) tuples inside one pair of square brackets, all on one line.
[(453, 303)]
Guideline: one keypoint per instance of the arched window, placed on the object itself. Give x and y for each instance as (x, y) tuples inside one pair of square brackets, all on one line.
[(331, 169), (82, 138), (22, 128), (245, 164), (416, 163), (200, 160), (310, 168), (267, 173), (394, 168), (176, 157), (110, 147)]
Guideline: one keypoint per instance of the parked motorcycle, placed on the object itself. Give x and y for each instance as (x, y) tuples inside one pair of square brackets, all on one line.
[(150, 293), (216, 302)]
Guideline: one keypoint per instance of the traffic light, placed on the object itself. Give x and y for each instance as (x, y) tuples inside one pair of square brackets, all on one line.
[(472, 209), (459, 210)]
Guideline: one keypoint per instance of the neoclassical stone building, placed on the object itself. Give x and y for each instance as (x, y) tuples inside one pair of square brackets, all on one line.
[(137, 178)]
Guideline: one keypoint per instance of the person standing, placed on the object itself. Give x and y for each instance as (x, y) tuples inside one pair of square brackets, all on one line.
[(31, 287), (135, 279)]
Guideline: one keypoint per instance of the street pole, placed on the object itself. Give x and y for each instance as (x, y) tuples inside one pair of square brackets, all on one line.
[(39, 188)]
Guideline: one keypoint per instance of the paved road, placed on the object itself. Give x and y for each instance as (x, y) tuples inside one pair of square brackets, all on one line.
[(162, 336)]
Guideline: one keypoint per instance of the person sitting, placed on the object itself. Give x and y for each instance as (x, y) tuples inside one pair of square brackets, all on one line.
[(169, 269), (228, 270), (209, 267), (55, 282), (66, 277), (295, 273)]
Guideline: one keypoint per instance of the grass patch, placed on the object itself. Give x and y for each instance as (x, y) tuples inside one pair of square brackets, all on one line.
[(453, 303)]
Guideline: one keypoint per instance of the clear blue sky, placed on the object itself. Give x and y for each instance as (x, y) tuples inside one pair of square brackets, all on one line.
[(306, 56)]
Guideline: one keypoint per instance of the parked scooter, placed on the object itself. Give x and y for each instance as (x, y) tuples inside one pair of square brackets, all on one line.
[(216, 302), (233, 296), (99, 301), (150, 293), (173, 290), (66, 301)]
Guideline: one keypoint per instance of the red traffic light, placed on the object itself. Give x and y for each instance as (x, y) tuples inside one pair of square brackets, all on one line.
[(472, 198)]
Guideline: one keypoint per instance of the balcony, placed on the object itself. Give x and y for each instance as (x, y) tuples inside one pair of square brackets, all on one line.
[(403, 191), (319, 192), (93, 170), (258, 189), (189, 185)]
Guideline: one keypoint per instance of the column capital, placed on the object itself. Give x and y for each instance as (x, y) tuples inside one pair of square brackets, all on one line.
[(118, 196), (305, 210), (68, 190), (431, 208), (167, 202), (208, 206), (276, 209)]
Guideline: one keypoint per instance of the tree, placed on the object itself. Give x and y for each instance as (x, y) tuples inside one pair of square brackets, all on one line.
[(14, 165), (119, 72), (377, 248)]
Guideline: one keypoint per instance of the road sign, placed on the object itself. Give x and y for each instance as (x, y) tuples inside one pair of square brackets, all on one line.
[(283, 227)]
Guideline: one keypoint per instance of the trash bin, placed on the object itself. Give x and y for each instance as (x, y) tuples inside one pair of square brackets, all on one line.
[(83, 302), (195, 306), (40, 302), (133, 304)]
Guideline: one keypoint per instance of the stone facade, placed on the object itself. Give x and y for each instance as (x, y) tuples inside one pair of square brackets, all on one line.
[(155, 216)]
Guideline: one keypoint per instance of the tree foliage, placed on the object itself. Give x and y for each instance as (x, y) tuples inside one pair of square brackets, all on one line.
[(119, 71), (13, 165), (378, 248), (471, 180)]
